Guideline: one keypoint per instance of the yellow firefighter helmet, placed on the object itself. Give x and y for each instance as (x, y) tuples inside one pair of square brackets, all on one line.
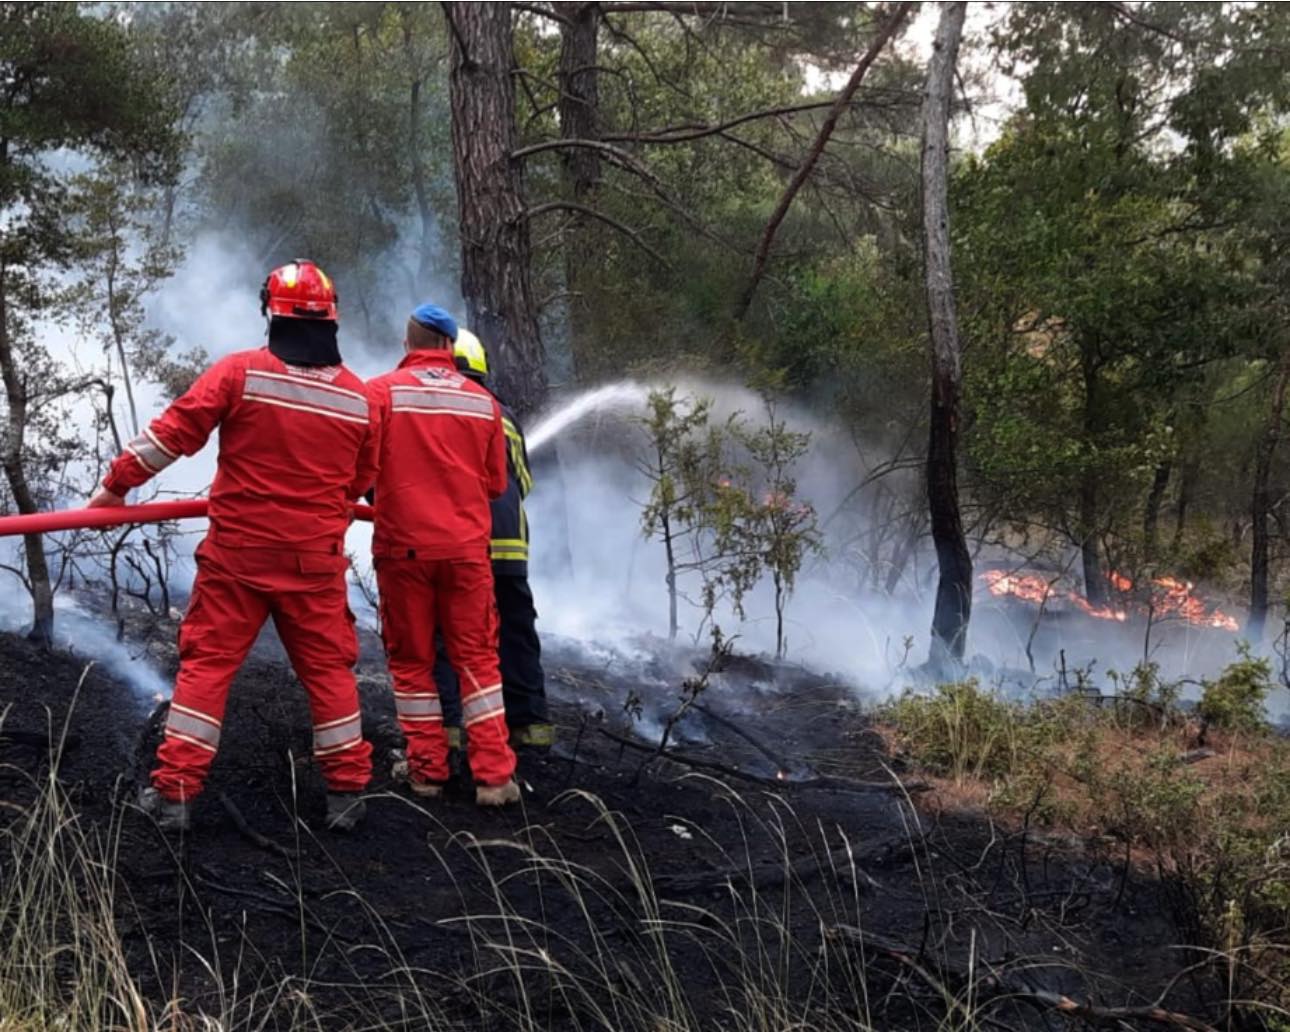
[(469, 351)]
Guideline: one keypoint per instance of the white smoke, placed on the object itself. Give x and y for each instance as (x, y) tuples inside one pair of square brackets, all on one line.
[(837, 622)]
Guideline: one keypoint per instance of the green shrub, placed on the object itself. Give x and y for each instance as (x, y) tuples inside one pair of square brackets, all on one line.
[(1234, 702), (959, 731)]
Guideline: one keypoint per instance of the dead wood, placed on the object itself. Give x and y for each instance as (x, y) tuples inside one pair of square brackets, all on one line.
[(988, 984), (248, 832), (762, 877), (289, 909), (820, 781), (730, 725)]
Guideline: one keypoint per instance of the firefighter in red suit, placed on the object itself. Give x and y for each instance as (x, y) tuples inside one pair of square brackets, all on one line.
[(443, 460), (298, 441)]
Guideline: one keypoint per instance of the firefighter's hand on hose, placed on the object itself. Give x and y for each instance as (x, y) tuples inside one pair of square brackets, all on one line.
[(104, 499)]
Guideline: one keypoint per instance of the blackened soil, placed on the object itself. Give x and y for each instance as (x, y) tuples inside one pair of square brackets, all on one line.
[(620, 874)]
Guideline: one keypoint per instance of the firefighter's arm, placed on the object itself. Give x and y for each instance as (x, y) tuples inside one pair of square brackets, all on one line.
[(519, 456), (497, 456), (369, 455), (181, 430)]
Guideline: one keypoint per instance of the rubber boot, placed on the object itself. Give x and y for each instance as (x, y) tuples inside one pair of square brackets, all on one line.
[(169, 815), (497, 795)]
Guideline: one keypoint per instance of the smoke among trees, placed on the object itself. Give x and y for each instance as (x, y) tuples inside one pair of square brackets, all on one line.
[(664, 190)]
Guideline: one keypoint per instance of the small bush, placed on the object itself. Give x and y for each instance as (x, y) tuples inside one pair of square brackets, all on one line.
[(1215, 830), (960, 731), (1235, 701)]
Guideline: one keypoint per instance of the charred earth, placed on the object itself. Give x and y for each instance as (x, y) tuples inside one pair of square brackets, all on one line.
[(770, 869)]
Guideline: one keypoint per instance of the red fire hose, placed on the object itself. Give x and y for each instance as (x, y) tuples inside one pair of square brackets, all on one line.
[(113, 516)]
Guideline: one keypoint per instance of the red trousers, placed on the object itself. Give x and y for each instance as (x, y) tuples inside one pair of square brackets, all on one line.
[(236, 590), (455, 595)]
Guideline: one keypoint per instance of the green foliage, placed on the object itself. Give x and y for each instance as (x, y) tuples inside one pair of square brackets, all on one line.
[(680, 461), (1215, 830), (1144, 698), (758, 525), (723, 502), (960, 731), (1235, 700)]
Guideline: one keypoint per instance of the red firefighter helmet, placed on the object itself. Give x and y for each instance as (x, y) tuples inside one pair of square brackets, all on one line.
[(299, 290)]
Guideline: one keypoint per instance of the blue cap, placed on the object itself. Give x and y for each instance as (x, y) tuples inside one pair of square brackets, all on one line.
[(432, 317)]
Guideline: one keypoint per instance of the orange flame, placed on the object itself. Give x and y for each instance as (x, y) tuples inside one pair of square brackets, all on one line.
[(1170, 597)]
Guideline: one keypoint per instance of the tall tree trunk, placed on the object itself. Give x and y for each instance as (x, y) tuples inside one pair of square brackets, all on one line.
[(1094, 581), (954, 589), (578, 79), (1186, 488), (1151, 516), (15, 388), (1261, 504), (494, 232)]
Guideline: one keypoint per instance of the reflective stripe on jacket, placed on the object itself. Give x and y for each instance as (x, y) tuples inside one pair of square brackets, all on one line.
[(297, 444), (443, 460)]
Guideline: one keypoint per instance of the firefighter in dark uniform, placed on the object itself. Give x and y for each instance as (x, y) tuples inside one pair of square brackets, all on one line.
[(519, 649)]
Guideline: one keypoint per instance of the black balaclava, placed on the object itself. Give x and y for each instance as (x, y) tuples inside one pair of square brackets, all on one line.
[(304, 342)]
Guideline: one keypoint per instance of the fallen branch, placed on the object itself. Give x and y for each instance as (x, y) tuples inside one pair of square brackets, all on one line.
[(248, 832), (730, 725), (289, 909), (771, 876), (819, 782), (993, 985)]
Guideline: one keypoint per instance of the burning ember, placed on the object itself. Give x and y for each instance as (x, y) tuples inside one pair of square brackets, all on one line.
[(1170, 597)]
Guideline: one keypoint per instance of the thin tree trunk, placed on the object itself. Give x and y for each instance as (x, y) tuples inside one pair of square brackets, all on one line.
[(1094, 582), (495, 248), (118, 332), (900, 558), (578, 106), (1261, 504), (954, 588), (15, 387), (779, 616), (1186, 487), (1151, 517), (420, 191)]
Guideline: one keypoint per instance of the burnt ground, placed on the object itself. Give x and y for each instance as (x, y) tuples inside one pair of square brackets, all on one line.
[(629, 891)]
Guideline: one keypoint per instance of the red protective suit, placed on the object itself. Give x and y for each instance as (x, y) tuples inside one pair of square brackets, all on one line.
[(443, 459), (297, 444)]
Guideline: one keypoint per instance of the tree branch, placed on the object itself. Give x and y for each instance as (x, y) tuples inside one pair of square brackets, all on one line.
[(627, 231), (686, 133), (813, 155)]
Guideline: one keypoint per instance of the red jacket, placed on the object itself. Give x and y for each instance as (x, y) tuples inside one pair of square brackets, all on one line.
[(443, 459), (296, 446)]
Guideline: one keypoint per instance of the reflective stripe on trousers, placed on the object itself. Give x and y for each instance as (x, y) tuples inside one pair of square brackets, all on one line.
[(418, 706), (192, 726), (336, 735)]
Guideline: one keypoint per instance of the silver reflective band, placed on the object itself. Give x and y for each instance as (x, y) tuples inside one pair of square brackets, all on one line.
[(190, 726), (429, 399), (149, 451), (337, 734), (488, 703), (418, 707), (305, 395)]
